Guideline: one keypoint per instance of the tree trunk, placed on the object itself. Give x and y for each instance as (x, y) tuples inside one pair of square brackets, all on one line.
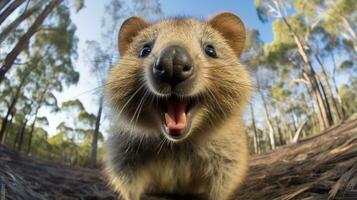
[(3, 3), (30, 137), (40, 102), (325, 115), (327, 104), (282, 125), (349, 32), (309, 101), (326, 122), (11, 57), (13, 25), (354, 44), (93, 161), (270, 126), (21, 136), (267, 116), (11, 107), (255, 136), (350, 29), (298, 132), (339, 99), (293, 121), (11, 8), (329, 92), (4, 122), (281, 137), (10, 122), (31, 132)]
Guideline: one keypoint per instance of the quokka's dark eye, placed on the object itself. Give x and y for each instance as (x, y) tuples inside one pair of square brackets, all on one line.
[(145, 51), (210, 51)]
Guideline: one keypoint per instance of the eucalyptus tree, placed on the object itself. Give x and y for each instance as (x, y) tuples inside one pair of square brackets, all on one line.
[(79, 129), (43, 121), (56, 68), (11, 96), (297, 45), (3, 4), (20, 18), (40, 146), (319, 17), (349, 97), (100, 62), (9, 9), (48, 69), (256, 140), (24, 40), (253, 57), (62, 147), (22, 120), (337, 17)]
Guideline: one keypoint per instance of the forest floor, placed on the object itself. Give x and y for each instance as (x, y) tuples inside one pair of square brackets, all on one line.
[(320, 167)]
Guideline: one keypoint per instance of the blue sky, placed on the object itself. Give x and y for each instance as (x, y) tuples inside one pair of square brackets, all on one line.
[(89, 20), (203, 9)]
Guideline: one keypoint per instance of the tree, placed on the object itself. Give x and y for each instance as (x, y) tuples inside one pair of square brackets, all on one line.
[(24, 40), (317, 17), (10, 9), (7, 30), (254, 51), (11, 106), (20, 46), (337, 18), (296, 28), (41, 120), (255, 131), (49, 67), (4, 3), (100, 63), (81, 130)]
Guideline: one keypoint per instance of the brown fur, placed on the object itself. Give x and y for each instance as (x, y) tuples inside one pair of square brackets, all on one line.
[(129, 30), (213, 161)]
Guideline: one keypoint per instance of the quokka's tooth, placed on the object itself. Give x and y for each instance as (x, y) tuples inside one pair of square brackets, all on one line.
[(182, 118), (168, 119)]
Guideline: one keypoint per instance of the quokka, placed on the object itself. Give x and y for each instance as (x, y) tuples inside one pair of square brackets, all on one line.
[(177, 96)]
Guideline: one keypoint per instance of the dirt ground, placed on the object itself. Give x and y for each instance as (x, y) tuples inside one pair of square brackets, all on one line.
[(319, 167)]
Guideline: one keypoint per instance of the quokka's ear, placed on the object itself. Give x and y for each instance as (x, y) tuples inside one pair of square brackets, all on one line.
[(232, 29), (129, 29)]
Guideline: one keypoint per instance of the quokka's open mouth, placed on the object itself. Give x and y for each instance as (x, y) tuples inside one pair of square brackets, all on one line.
[(176, 117)]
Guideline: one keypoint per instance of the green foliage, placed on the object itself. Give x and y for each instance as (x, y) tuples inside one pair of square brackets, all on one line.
[(76, 137), (307, 7), (76, 104), (346, 65), (279, 93), (78, 5), (349, 97)]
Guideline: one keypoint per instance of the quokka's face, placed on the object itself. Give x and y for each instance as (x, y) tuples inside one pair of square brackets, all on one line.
[(178, 77)]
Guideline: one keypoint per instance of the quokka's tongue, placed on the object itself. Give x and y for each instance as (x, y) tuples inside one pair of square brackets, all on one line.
[(175, 115)]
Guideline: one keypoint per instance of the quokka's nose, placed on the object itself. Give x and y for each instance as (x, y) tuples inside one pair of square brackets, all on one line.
[(173, 66)]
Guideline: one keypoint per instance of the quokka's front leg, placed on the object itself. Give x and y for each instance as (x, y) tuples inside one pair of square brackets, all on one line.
[(224, 185), (130, 189), (218, 191)]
